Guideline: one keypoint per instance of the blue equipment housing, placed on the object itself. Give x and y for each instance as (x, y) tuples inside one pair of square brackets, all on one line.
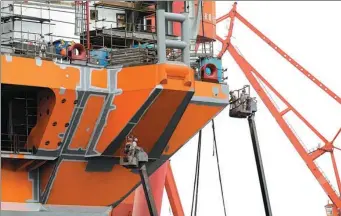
[(101, 56)]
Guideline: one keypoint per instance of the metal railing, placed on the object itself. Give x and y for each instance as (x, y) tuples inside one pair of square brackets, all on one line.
[(15, 144), (141, 37)]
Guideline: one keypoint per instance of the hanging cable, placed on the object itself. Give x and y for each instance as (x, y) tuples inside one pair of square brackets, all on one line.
[(196, 180), (194, 185), (213, 149), (198, 174), (216, 152)]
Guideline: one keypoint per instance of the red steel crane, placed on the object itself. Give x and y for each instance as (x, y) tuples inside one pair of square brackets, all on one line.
[(253, 76)]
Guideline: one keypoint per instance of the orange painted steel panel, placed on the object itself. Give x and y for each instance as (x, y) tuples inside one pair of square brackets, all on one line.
[(195, 117), (137, 84), (176, 77), (205, 89), (148, 76), (137, 78), (46, 102), (90, 188), (125, 207), (209, 13), (91, 113), (99, 78), (55, 114), (15, 185), (25, 71)]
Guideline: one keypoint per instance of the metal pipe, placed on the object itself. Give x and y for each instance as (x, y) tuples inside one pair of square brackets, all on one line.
[(71, 12), (43, 4), (61, 21), (176, 44), (175, 17), (37, 21), (62, 36), (185, 35), (161, 36)]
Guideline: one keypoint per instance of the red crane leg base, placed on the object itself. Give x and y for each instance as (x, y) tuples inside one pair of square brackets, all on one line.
[(157, 183)]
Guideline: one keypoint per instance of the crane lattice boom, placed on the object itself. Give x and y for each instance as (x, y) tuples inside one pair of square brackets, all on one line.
[(253, 76)]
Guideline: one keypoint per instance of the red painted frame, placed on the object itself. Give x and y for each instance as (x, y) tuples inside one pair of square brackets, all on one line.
[(252, 74)]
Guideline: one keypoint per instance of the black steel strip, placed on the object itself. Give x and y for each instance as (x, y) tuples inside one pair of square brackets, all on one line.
[(163, 140)]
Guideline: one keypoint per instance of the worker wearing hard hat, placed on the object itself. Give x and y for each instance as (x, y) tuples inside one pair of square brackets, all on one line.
[(130, 148)]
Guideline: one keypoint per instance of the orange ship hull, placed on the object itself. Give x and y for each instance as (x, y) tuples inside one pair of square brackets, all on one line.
[(83, 117)]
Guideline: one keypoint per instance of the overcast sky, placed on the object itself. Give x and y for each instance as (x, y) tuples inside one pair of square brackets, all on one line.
[(310, 32)]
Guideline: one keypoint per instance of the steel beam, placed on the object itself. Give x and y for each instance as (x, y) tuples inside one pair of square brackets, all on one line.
[(259, 163), (147, 191)]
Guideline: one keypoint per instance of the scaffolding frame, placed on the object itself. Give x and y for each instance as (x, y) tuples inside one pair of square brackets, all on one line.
[(28, 43)]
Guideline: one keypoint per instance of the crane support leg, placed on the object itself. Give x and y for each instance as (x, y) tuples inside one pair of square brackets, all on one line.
[(147, 191), (259, 163), (172, 192)]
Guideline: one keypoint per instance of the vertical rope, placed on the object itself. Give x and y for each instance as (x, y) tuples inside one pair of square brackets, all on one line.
[(196, 180), (218, 166)]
